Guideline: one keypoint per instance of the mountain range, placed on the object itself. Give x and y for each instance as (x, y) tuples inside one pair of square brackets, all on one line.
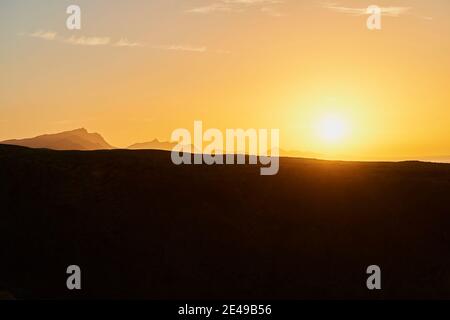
[(81, 139)]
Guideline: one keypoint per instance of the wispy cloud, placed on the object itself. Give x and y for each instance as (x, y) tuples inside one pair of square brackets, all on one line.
[(386, 11), (46, 35), (180, 48), (214, 7), (81, 40), (88, 41), (238, 6), (73, 40), (107, 41), (125, 43)]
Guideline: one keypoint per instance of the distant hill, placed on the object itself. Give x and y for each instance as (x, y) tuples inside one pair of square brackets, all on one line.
[(79, 139), (158, 145), (153, 145), (441, 159)]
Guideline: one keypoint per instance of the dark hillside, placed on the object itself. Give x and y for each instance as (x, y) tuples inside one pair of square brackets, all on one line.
[(141, 227)]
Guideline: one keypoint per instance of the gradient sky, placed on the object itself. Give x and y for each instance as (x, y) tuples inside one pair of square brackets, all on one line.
[(232, 64)]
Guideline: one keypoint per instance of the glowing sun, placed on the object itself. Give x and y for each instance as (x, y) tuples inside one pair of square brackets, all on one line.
[(332, 129)]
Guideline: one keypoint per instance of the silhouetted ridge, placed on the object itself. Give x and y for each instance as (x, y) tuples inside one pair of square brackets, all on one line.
[(78, 139)]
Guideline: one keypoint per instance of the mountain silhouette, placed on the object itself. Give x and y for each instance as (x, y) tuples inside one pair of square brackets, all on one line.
[(79, 139), (160, 145), (153, 145)]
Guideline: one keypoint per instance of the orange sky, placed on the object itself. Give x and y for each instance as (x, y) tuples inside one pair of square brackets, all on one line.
[(235, 64)]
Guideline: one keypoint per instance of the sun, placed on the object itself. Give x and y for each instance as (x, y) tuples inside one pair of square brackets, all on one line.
[(332, 128)]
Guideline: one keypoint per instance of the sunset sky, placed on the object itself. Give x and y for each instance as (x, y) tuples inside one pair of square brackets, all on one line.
[(139, 69)]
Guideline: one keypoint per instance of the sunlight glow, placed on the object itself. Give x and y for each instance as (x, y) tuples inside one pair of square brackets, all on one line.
[(331, 129)]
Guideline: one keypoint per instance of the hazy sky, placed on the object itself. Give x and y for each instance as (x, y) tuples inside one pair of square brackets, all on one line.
[(139, 69)]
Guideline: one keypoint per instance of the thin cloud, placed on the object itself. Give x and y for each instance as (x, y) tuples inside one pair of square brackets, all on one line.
[(125, 43), (79, 40), (45, 35), (88, 41), (181, 48), (386, 11), (394, 11), (214, 7), (106, 41), (237, 6)]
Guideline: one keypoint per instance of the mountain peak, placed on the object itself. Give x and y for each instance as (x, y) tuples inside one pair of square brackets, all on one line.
[(78, 139), (80, 130)]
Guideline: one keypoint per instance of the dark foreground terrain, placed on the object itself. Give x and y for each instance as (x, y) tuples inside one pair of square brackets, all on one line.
[(141, 227)]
